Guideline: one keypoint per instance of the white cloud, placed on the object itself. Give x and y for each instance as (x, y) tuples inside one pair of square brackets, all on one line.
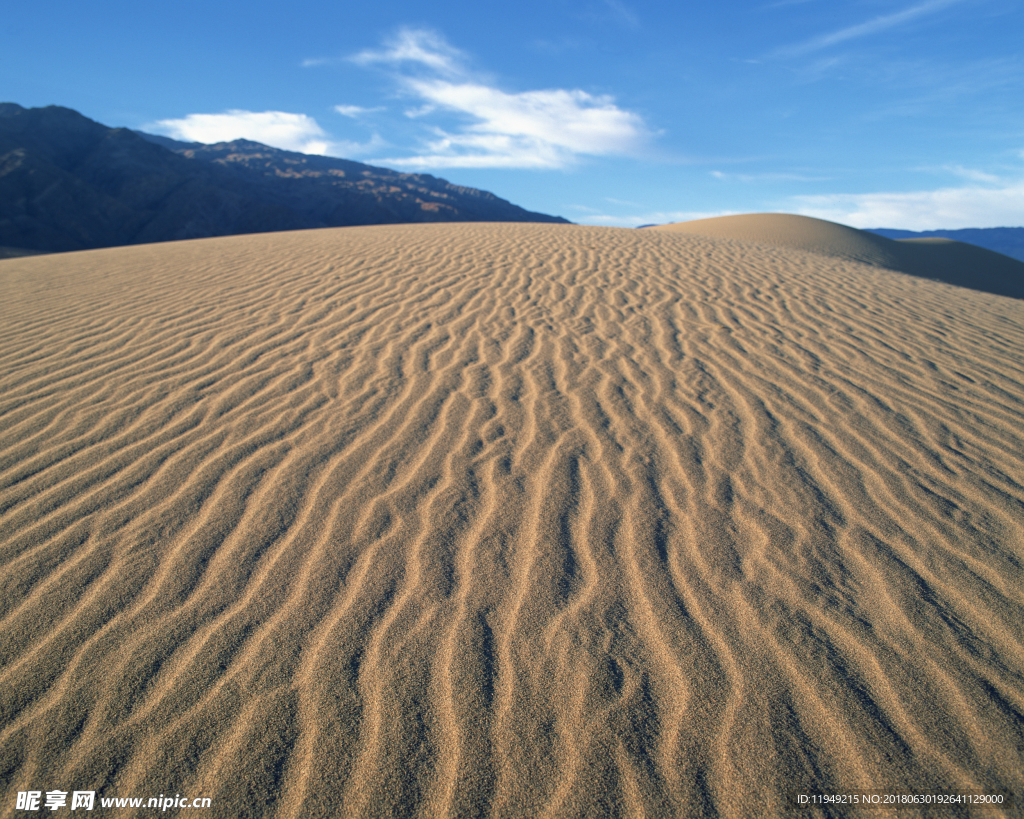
[(651, 218), (483, 126), (469, 151), (530, 129), (972, 174), (291, 132), (279, 129), (345, 149), (946, 208), (873, 26), (354, 111), (420, 111), (416, 46), (767, 177)]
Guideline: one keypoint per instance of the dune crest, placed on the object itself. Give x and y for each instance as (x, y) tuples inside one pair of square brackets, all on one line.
[(505, 520), (945, 260)]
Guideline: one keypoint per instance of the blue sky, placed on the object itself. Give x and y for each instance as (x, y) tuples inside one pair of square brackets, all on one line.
[(874, 113)]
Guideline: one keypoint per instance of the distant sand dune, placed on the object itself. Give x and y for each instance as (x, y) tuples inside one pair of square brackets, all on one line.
[(506, 520), (944, 260)]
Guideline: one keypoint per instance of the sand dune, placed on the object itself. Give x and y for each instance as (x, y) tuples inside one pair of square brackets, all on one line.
[(957, 263), (506, 520)]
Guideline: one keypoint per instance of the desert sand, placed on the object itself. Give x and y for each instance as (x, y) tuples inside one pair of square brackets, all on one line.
[(508, 520), (939, 259)]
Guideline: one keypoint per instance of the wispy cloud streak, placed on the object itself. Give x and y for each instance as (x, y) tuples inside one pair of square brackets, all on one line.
[(539, 129), (869, 27)]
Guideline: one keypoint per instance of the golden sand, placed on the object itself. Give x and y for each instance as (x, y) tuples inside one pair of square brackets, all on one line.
[(506, 520)]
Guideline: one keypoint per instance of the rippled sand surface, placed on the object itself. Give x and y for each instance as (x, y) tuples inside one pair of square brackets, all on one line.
[(505, 520)]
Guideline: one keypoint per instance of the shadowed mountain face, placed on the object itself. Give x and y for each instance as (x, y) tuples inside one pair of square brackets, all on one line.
[(68, 183)]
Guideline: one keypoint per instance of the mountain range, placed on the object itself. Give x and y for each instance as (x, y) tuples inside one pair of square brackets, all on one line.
[(69, 183)]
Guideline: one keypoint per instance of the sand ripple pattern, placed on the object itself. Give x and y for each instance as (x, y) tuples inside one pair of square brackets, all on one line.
[(505, 520)]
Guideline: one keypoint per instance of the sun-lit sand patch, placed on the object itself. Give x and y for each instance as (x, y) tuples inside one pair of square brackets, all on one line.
[(506, 520)]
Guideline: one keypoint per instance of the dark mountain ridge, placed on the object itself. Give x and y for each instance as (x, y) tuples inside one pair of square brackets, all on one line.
[(69, 183), (341, 191)]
